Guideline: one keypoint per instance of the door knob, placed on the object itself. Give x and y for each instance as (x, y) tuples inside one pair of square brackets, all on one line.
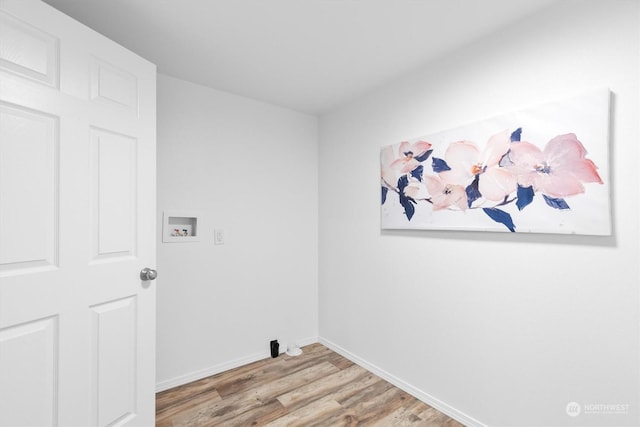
[(148, 274)]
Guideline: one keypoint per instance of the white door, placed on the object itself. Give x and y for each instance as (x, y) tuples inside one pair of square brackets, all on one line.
[(77, 224)]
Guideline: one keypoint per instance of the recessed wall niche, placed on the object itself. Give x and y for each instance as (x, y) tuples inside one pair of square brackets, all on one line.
[(180, 227)]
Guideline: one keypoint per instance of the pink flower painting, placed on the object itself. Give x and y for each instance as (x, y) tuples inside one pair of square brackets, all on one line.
[(559, 170), (505, 177)]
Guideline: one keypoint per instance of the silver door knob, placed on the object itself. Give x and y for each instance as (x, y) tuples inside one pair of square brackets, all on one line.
[(148, 274)]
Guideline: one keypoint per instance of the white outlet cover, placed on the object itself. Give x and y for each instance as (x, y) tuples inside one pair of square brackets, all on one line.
[(218, 236)]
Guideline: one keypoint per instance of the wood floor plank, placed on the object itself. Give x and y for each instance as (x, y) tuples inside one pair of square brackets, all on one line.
[(401, 417), (368, 408), (203, 389), (236, 404), (165, 415), (436, 418), (328, 385), (303, 417), (320, 388), (418, 407)]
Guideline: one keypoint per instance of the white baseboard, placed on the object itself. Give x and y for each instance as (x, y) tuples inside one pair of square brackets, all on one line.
[(415, 392), (216, 369)]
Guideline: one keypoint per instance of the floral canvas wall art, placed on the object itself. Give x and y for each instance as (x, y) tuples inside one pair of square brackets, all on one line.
[(543, 169)]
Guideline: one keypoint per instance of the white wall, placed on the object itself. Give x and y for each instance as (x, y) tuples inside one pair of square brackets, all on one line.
[(251, 169), (498, 329)]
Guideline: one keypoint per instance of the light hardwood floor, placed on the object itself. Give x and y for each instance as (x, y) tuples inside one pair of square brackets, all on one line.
[(317, 388)]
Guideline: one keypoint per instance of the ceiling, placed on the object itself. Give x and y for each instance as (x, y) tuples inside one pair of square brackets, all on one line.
[(306, 55)]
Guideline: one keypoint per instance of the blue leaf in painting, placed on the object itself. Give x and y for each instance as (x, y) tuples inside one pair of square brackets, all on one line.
[(473, 193), (407, 204), (424, 156), (417, 173), (525, 196), (403, 182), (385, 190), (406, 201), (439, 165), (516, 134), (556, 203), (500, 216)]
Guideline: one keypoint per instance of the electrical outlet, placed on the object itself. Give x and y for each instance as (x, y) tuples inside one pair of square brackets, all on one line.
[(218, 236)]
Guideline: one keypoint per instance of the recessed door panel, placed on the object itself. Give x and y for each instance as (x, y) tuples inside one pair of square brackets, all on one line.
[(28, 357), (27, 51), (113, 86), (28, 189), (114, 361), (114, 194)]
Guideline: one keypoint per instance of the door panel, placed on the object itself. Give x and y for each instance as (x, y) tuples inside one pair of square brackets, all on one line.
[(114, 170), (77, 224), (30, 350), (112, 85), (29, 156), (114, 361), (28, 51)]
